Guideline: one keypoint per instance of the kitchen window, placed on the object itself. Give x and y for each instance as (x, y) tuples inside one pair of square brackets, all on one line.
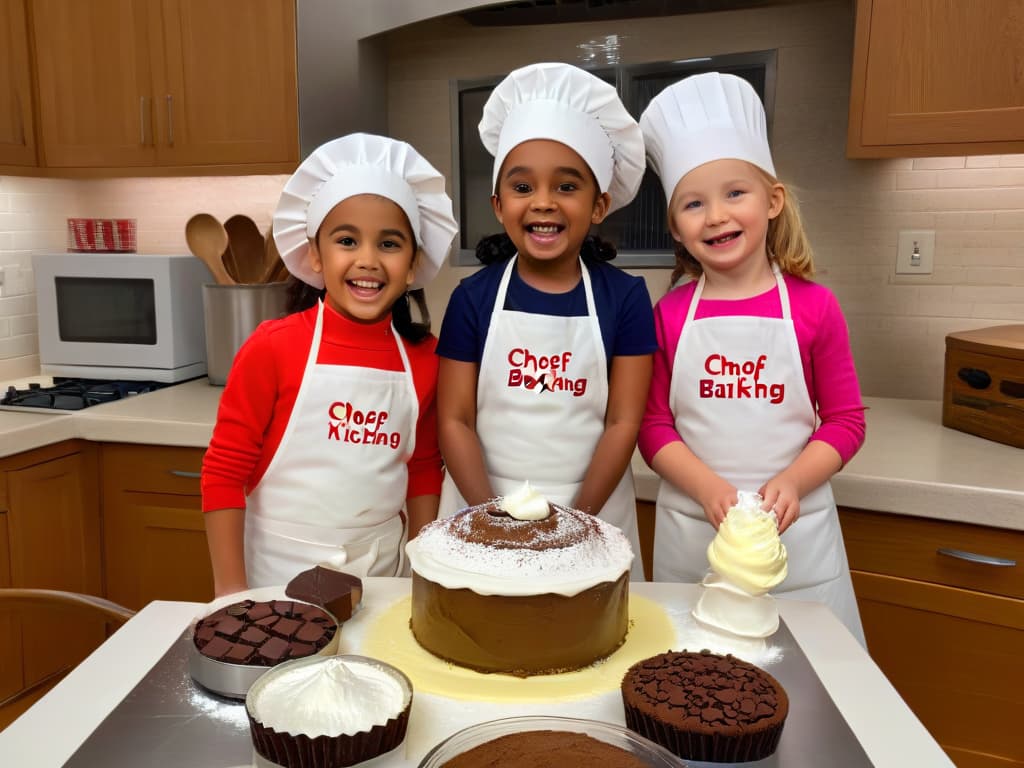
[(638, 230)]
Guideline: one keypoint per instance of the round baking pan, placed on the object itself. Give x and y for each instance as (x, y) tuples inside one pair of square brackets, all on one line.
[(234, 680)]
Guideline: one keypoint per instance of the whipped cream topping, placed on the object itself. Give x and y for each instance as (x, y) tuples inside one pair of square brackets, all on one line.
[(525, 504), (441, 554), (724, 606), (747, 550), (328, 697)]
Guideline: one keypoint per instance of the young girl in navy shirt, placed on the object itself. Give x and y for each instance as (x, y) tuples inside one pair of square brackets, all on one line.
[(546, 353)]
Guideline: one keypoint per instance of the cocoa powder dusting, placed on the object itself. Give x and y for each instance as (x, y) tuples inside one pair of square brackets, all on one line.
[(546, 749)]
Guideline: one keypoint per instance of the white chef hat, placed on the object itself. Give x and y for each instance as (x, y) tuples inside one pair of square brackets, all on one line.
[(358, 164), (713, 116), (564, 103)]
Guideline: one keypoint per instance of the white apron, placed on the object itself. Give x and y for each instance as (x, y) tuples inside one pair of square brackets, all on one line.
[(542, 394), (334, 490), (741, 405)]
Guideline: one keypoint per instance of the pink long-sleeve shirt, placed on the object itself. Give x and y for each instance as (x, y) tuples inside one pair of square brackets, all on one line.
[(824, 343)]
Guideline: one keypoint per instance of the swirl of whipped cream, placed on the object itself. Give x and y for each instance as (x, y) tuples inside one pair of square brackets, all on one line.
[(525, 504), (747, 550), (328, 697)]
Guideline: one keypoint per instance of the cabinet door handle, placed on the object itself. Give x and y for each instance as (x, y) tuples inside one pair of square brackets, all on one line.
[(973, 557), (183, 473), (170, 120)]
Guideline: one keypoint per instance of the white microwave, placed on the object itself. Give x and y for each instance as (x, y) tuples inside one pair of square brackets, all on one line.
[(121, 315)]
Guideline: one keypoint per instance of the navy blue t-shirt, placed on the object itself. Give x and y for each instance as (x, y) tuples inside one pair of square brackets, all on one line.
[(623, 309)]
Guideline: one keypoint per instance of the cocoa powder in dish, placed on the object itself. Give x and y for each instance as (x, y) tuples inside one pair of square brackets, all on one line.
[(546, 749)]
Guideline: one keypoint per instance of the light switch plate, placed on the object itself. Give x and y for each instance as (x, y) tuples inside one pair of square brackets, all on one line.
[(915, 254)]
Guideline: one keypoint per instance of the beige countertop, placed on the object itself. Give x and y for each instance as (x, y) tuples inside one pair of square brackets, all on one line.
[(910, 464)]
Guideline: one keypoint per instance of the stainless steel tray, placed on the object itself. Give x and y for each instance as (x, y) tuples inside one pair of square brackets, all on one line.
[(167, 721)]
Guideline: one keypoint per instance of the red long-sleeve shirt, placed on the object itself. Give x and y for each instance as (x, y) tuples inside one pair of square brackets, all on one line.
[(264, 382)]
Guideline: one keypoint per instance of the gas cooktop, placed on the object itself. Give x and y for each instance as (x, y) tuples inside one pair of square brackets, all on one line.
[(68, 394)]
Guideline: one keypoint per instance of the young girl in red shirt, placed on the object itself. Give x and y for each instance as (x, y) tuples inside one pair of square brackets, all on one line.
[(325, 447)]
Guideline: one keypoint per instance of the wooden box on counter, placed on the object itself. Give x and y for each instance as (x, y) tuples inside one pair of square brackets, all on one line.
[(983, 391)]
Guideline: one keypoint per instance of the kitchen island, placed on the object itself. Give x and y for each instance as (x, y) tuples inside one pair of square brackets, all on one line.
[(51, 732)]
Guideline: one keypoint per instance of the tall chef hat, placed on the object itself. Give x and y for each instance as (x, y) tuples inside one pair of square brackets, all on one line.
[(701, 118), (563, 103), (358, 164)]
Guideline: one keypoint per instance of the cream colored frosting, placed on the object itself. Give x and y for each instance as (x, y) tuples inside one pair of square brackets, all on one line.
[(442, 556), (329, 697), (525, 504), (747, 550)]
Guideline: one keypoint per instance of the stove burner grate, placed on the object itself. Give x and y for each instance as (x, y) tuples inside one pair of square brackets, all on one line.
[(76, 394)]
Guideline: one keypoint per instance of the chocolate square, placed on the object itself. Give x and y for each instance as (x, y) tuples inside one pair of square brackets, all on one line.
[(274, 650), (253, 636), (283, 607), (217, 648), (285, 627), (239, 654), (229, 626), (258, 611), (298, 650), (310, 633)]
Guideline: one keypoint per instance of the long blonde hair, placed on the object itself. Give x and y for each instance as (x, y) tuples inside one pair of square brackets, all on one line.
[(786, 241)]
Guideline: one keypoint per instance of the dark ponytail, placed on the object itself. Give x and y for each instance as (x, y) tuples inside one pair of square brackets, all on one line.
[(401, 315), (302, 295), (494, 248)]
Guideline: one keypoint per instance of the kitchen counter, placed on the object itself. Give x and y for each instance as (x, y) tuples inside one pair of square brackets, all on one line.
[(886, 729), (910, 464)]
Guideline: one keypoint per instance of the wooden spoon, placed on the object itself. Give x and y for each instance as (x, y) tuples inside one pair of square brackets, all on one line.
[(246, 247), (208, 240), (271, 259)]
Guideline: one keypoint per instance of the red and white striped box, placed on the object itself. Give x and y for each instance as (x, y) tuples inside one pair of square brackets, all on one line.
[(101, 235)]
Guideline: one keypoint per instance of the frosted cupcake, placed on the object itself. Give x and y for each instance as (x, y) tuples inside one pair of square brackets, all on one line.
[(327, 712), (747, 560)]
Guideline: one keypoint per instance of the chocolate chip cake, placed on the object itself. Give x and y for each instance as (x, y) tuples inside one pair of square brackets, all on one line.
[(703, 706)]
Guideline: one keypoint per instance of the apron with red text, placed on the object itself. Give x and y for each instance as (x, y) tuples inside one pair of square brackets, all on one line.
[(741, 405), (335, 489), (542, 393)]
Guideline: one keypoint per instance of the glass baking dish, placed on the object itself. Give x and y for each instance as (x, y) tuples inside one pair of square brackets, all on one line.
[(462, 741)]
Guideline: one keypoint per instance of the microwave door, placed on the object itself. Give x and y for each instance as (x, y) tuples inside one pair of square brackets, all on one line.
[(93, 310)]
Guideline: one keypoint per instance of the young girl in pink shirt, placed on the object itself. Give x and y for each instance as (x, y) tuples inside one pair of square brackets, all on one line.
[(754, 387)]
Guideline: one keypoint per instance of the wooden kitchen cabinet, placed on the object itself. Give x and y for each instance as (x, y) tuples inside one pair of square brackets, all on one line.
[(49, 539), (934, 77), (172, 85), (947, 632), (154, 539), (17, 130)]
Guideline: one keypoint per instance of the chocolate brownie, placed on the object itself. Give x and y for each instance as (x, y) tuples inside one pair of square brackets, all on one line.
[(335, 591), (703, 706), (263, 633)]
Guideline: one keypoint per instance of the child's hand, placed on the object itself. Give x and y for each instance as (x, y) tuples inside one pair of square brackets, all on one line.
[(781, 494), (716, 498)]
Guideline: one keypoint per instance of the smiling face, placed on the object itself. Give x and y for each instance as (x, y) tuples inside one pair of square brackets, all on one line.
[(547, 199), (365, 251), (720, 213)]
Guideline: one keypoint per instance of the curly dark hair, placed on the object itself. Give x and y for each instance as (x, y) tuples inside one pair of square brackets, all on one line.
[(494, 248)]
